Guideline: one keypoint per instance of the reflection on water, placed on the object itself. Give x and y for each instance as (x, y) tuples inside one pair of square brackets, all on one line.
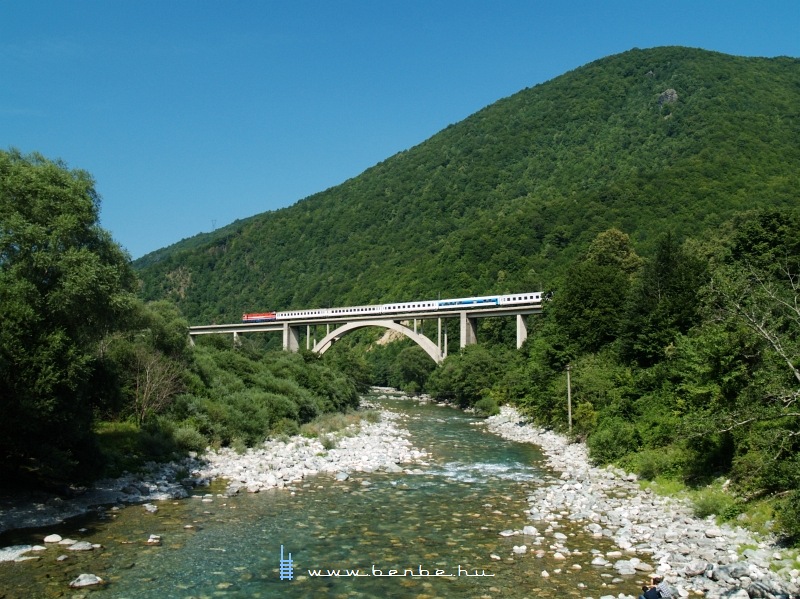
[(430, 534)]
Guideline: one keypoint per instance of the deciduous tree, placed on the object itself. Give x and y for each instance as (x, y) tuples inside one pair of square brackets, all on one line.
[(64, 284)]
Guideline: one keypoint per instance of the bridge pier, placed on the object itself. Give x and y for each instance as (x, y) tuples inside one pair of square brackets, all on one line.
[(522, 330), (291, 337), (469, 330)]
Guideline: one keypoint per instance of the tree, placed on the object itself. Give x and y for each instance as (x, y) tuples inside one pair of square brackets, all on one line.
[(662, 303), (64, 284), (755, 286), (758, 284), (156, 381), (613, 248), (767, 415), (410, 369), (466, 376), (589, 306)]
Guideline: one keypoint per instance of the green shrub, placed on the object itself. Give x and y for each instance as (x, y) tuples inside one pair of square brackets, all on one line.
[(653, 463), (717, 502), (239, 445), (156, 440), (788, 517), (411, 388), (487, 407), (188, 438), (119, 446), (285, 427), (584, 418), (372, 416), (613, 439)]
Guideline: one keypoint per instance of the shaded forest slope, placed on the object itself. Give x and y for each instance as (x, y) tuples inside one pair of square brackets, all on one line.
[(650, 140)]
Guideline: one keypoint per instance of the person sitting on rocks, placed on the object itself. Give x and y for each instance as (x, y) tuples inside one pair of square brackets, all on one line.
[(664, 590), (649, 593)]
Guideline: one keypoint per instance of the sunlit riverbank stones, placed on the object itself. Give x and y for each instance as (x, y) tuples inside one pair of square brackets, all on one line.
[(695, 556), (380, 446)]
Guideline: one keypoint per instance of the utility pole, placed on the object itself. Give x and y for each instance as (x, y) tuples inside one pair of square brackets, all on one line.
[(569, 399)]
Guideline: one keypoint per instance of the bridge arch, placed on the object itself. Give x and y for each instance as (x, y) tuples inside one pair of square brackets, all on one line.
[(426, 344)]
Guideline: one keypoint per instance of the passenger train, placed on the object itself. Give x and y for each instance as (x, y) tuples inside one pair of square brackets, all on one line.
[(516, 299)]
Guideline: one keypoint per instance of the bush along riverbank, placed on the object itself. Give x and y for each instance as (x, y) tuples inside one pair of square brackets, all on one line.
[(655, 534)]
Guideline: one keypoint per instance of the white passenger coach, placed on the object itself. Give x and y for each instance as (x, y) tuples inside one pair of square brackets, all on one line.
[(463, 303)]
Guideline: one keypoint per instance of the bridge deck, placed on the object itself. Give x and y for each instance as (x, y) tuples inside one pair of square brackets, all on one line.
[(274, 326)]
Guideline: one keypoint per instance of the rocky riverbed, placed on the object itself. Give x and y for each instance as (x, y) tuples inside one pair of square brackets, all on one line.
[(154, 483), (368, 447), (652, 534), (374, 446), (656, 535)]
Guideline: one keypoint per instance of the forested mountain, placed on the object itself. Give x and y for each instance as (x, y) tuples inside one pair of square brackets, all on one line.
[(645, 141)]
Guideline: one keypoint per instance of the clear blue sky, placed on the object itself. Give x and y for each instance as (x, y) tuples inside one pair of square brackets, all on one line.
[(191, 114)]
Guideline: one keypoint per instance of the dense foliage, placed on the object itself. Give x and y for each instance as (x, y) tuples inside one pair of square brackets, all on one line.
[(64, 285), (216, 395), (507, 198), (92, 379)]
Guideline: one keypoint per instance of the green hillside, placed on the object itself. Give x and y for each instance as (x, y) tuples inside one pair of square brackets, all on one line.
[(646, 141)]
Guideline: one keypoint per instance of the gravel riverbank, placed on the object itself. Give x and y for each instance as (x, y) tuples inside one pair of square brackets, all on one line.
[(372, 446), (655, 534)]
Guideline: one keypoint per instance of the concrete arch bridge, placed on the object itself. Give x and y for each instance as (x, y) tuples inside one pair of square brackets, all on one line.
[(306, 325)]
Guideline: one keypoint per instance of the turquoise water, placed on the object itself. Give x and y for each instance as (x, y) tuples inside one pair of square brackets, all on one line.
[(444, 521)]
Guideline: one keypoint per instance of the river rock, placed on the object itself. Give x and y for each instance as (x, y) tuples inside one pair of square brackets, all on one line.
[(86, 580), (737, 570), (508, 533), (81, 546), (695, 568)]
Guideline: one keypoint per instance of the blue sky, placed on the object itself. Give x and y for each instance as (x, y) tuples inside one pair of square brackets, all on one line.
[(191, 114)]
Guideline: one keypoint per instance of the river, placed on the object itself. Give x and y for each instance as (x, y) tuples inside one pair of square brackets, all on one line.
[(431, 533)]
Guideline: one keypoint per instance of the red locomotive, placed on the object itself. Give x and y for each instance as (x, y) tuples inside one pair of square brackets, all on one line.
[(258, 317)]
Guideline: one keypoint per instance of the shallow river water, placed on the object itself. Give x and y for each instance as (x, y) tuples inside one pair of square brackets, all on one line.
[(429, 534)]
